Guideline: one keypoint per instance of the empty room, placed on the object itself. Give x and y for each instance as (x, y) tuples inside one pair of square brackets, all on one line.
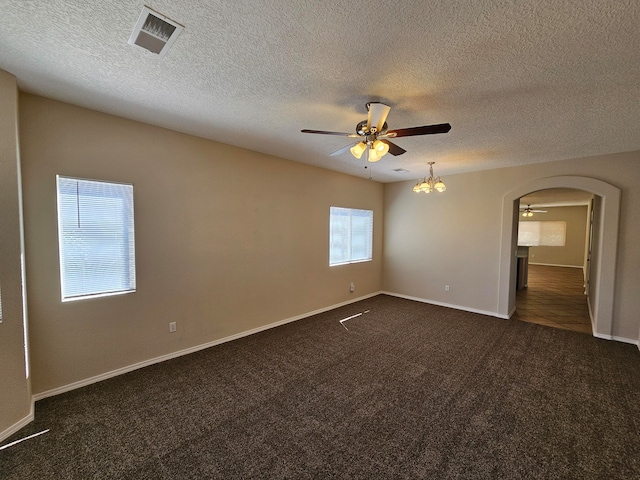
[(319, 239)]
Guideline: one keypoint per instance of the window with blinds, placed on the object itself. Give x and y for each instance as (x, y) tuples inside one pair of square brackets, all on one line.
[(350, 235), (542, 234), (96, 238)]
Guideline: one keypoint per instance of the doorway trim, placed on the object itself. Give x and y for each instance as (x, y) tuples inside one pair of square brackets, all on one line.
[(607, 246)]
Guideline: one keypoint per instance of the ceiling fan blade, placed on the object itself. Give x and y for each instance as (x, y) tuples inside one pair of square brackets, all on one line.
[(394, 149), (323, 132), (529, 209), (425, 130), (342, 150), (377, 115)]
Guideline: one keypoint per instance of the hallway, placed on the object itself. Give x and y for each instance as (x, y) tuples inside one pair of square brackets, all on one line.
[(554, 298)]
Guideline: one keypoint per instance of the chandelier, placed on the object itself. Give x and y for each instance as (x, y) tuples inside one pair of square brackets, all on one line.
[(428, 185)]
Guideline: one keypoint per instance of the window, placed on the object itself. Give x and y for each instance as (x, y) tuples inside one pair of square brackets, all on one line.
[(350, 235), (542, 234), (96, 238)]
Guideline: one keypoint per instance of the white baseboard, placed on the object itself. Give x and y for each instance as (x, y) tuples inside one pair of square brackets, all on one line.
[(618, 339), (609, 337), (18, 425), (494, 314), (448, 305), (187, 351), (556, 265)]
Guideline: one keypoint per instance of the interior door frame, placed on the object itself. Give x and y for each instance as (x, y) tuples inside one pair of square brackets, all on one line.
[(589, 252), (603, 301)]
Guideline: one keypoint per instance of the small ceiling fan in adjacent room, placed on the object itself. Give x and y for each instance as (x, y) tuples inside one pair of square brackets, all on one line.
[(528, 211), (373, 134)]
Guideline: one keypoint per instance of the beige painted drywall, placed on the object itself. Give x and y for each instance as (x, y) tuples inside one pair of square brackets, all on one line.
[(15, 396), (227, 240), (573, 252), (455, 238)]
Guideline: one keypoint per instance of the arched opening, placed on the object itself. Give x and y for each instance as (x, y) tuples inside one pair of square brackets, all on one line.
[(605, 246), (554, 240)]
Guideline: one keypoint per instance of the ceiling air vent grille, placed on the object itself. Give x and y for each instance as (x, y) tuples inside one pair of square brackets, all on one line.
[(155, 32)]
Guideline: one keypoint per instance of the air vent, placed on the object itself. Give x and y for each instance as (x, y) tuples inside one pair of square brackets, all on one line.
[(155, 32), (400, 170)]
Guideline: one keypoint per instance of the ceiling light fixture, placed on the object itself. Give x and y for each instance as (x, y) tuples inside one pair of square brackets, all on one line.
[(358, 149), (376, 149), (528, 212), (373, 134), (428, 185)]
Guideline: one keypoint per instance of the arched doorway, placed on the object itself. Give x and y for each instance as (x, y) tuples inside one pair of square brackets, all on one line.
[(557, 230), (605, 253)]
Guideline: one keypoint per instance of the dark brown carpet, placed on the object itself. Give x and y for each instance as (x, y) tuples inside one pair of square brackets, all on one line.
[(409, 391)]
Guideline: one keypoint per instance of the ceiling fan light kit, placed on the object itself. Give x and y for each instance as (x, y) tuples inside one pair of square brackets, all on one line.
[(373, 155), (528, 212), (377, 150), (358, 149), (381, 147), (373, 134), (430, 184)]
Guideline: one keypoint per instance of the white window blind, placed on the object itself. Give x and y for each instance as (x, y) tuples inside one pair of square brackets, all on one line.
[(350, 235), (96, 238), (542, 234)]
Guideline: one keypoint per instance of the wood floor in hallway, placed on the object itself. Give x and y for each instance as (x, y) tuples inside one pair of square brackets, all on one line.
[(554, 298)]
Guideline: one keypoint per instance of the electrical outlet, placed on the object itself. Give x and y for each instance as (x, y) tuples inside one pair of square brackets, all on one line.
[(352, 287), (446, 288), (172, 327)]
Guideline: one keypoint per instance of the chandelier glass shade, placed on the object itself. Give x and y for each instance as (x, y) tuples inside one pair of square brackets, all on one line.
[(431, 183)]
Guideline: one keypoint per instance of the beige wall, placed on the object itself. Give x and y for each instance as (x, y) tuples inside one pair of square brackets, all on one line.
[(15, 396), (573, 252), (454, 238), (227, 240)]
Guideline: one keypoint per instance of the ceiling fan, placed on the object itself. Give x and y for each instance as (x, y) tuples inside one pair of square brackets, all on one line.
[(373, 134), (528, 211)]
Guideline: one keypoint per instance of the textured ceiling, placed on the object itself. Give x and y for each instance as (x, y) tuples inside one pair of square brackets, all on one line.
[(519, 81)]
